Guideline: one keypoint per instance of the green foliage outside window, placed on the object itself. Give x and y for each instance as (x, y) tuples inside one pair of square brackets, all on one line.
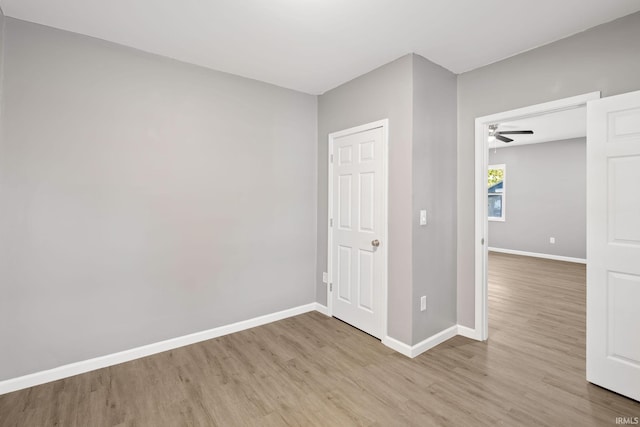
[(495, 176)]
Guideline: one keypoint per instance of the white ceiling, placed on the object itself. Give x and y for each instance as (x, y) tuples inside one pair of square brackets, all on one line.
[(546, 128), (315, 45)]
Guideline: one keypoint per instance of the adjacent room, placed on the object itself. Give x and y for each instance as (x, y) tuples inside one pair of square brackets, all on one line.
[(306, 213), (536, 189)]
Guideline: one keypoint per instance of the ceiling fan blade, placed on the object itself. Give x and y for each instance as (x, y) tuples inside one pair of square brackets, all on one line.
[(503, 138), (515, 132)]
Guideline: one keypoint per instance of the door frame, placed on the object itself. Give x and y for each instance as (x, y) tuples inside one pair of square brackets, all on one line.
[(382, 250), (481, 326)]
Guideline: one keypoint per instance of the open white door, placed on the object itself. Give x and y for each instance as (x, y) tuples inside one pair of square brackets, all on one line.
[(357, 231), (613, 243)]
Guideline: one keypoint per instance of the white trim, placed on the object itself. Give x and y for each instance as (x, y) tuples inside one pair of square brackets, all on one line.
[(65, 371), (329, 224), (384, 124), (322, 309), (481, 164), (538, 255), (427, 344), (398, 346), (434, 340), (30, 380), (469, 333), (481, 225)]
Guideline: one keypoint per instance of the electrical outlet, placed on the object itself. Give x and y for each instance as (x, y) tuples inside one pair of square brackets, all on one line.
[(423, 303), (325, 277), (423, 217), (552, 240)]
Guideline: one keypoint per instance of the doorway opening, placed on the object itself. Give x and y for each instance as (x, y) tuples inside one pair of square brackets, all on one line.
[(486, 127)]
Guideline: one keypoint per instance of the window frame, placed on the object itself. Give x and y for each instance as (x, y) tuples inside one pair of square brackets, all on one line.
[(503, 194)]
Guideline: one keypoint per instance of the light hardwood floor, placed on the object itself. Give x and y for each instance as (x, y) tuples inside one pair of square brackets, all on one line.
[(313, 370)]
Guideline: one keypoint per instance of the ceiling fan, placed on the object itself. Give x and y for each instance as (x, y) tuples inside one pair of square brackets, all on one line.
[(497, 134)]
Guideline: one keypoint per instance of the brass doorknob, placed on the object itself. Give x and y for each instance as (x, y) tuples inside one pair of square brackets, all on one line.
[(375, 243)]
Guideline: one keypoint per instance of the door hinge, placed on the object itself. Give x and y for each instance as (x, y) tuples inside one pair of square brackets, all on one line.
[(330, 287), (330, 222), (482, 241), (331, 158)]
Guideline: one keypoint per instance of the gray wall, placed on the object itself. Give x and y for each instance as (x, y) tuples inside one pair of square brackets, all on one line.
[(142, 199), (546, 192), (434, 189), (383, 93), (605, 58), (2, 26), (418, 97)]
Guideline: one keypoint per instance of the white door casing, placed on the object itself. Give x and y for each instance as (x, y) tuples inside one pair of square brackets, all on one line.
[(358, 227), (613, 243)]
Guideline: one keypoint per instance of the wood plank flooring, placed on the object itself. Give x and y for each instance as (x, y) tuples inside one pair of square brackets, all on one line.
[(312, 370)]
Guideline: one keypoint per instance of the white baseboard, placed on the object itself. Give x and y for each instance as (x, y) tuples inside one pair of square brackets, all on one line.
[(434, 340), (65, 371), (322, 309), (398, 346), (81, 367), (422, 346), (468, 333), (537, 255)]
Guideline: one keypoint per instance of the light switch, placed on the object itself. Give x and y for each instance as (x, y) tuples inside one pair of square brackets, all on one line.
[(423, 217)]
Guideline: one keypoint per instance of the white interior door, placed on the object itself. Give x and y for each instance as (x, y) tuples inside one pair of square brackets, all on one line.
[(613, 243), (357, 228)]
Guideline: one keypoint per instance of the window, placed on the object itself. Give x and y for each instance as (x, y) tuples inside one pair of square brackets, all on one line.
[(496, 184)]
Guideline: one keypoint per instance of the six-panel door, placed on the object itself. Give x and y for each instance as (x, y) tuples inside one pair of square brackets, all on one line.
[(357, 224), (613, 243)]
